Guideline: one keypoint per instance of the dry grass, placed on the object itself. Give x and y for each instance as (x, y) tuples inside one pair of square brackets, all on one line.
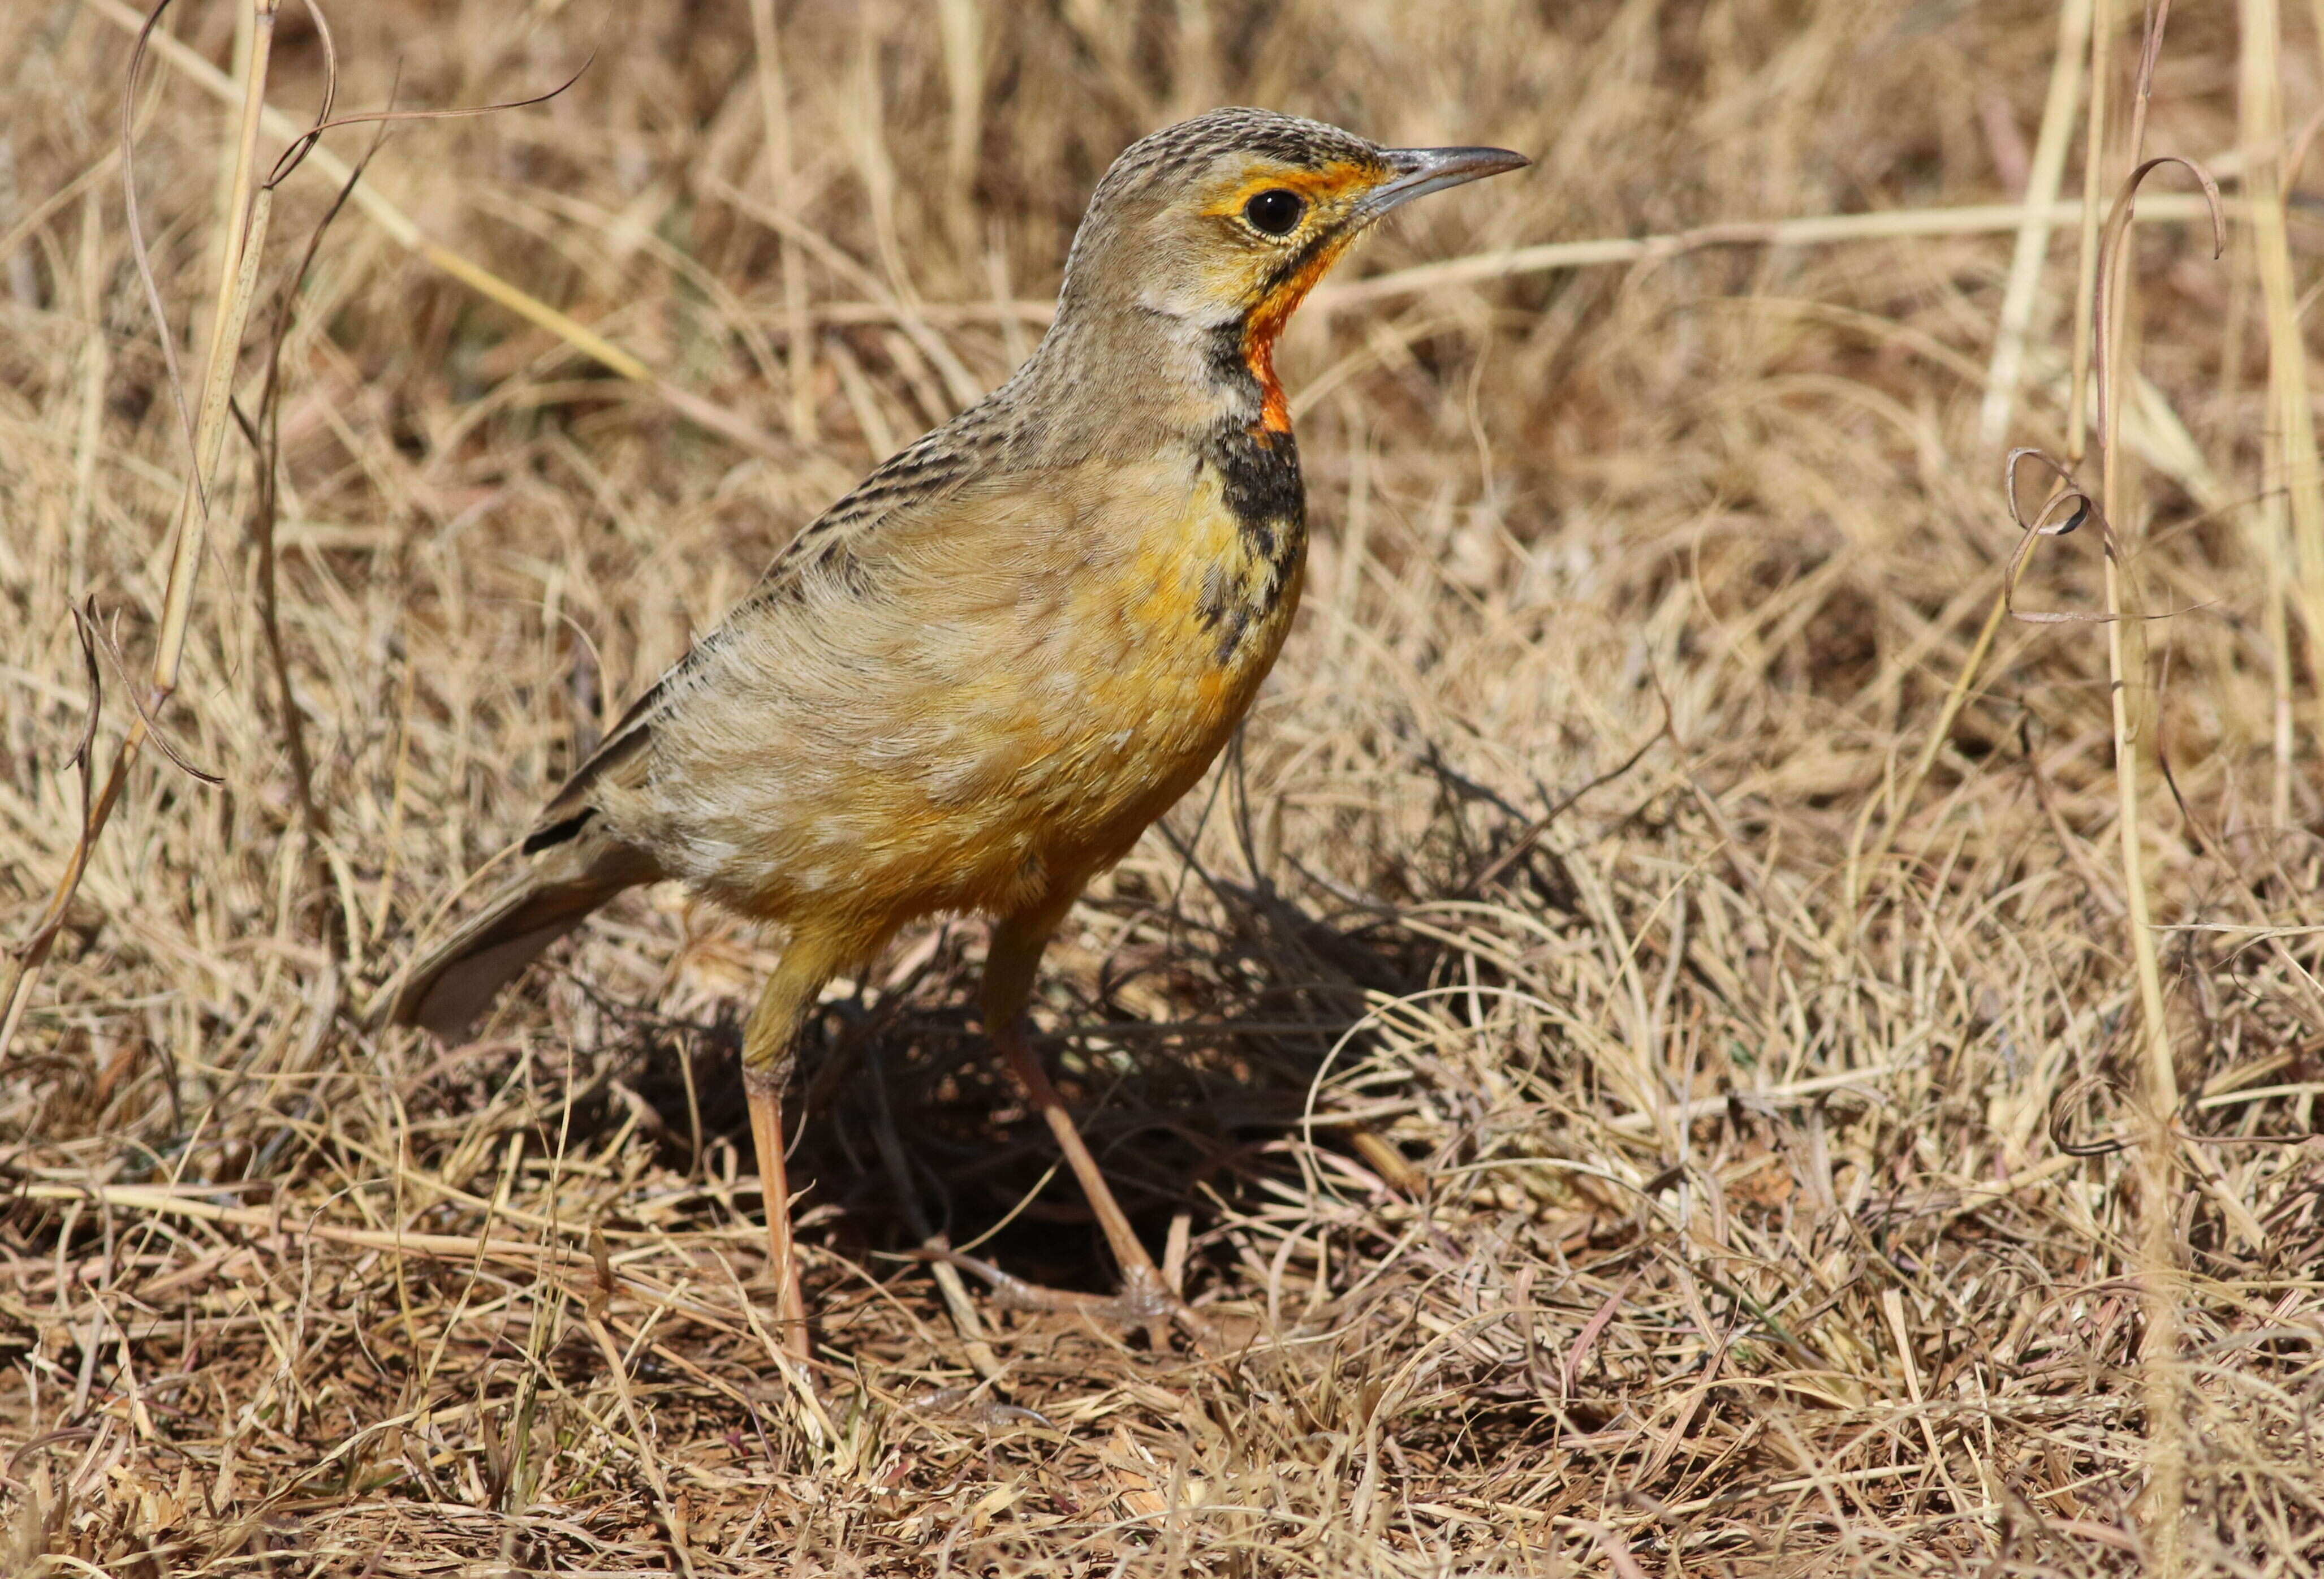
[(1700, 1188)]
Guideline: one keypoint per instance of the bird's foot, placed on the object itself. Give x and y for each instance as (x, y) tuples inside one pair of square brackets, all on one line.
[(1144, 1300)]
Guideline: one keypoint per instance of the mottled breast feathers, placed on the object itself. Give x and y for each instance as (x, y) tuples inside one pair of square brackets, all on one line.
[(1232, 528)]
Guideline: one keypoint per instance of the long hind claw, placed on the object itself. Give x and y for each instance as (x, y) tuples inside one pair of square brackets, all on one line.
[(1144, 1300)]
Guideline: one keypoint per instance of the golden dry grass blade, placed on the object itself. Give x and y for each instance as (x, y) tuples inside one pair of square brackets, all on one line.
[(244, 239), (1821, 230), (2291, 423), (2067, 71), (2163, 1518)]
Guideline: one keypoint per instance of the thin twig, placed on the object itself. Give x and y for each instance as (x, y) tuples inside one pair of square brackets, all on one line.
[(245, 238)]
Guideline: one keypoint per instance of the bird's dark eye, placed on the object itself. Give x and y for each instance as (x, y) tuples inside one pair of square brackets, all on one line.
[(1275, 210)]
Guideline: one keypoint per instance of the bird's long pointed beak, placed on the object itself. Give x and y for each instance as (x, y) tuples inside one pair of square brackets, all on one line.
[(1422, 170)]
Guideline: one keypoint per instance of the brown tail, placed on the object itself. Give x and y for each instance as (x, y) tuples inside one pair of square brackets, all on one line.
[(447, 988)]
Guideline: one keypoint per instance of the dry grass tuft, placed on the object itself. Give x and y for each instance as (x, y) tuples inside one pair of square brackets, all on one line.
[(1724, 1173)]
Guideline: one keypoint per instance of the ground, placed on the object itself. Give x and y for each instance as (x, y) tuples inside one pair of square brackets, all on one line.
[(1639, 1055)]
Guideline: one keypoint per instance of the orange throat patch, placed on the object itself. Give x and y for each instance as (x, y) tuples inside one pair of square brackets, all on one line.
[(1258, 355), (1265, 324)]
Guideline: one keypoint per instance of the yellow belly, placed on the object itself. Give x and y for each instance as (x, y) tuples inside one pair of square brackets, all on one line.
[(980, 742), (1081, 750)]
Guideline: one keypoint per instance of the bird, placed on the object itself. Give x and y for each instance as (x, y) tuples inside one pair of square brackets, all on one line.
[(973, 683)]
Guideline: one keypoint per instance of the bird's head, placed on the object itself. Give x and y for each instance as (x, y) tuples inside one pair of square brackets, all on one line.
[(1218, 226)]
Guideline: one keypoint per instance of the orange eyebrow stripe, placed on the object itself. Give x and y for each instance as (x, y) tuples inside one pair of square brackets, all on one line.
[(1329, 182)]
